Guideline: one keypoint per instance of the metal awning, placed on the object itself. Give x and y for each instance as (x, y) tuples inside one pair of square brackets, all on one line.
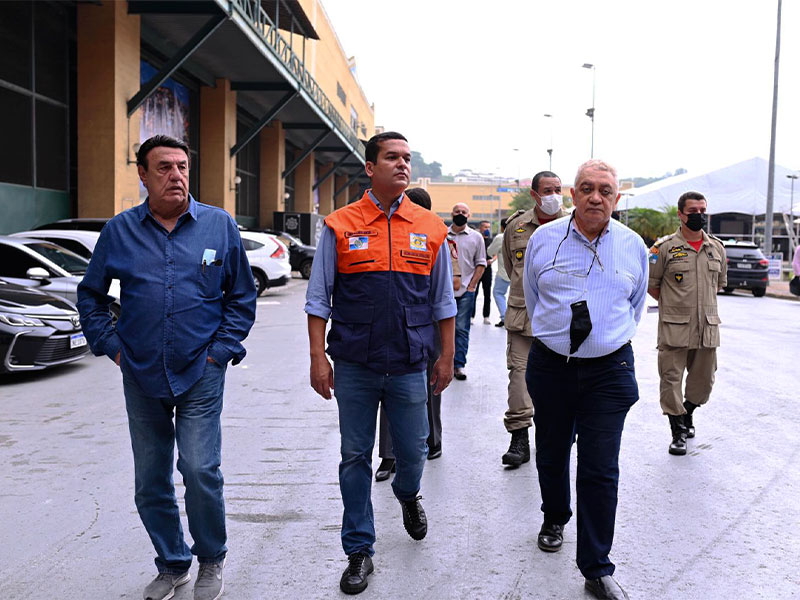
[(237, 40)]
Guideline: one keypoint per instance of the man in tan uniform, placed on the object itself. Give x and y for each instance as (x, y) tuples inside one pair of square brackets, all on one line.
[(687, 269), (546, 193)]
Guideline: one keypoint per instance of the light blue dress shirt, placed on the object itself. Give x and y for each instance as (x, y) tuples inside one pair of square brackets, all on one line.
[(323, 275), (614, 289)]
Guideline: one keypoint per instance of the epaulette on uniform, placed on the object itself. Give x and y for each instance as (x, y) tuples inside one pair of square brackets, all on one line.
[(519, 212), (662, 239)]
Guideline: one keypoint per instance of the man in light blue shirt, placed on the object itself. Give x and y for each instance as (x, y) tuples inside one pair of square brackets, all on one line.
[(585, 285)]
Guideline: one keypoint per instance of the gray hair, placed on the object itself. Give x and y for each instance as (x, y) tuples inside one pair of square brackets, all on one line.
[(600, 165)]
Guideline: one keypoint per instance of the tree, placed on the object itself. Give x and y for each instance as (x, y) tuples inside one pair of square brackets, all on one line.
[(652, 224), (522, 200), (419, 168)]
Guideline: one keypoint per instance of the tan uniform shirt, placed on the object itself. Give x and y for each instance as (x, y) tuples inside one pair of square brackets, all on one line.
[(689, 281), (519, 228)]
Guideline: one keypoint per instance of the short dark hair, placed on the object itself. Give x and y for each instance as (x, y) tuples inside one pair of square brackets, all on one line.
[(503, 223), (538, 177), (374, 144), (489, 223), (419, 196), (689, 196), (156, 141)]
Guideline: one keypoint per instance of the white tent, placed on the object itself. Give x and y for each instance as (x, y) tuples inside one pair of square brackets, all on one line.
[(739, 188)]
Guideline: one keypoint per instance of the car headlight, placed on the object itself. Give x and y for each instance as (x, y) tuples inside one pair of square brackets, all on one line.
[(20, 320)]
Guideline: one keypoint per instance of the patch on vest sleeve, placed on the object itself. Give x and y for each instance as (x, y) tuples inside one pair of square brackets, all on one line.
[(418, 241), (359, 243)]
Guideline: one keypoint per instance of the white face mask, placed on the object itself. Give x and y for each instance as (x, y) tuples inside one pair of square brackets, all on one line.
[(551, 204)]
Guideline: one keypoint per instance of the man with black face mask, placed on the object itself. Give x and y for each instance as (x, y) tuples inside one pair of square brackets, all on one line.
[(687, 269)]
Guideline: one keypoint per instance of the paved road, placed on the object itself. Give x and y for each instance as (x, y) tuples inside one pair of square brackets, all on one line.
[(720, 522)]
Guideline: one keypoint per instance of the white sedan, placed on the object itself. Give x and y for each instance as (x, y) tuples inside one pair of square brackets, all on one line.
[(269, 260)]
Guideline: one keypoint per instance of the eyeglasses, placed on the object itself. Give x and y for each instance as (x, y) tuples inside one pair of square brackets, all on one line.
[(591, 247)]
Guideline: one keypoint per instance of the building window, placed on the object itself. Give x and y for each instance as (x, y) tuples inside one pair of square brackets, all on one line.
[(247, 169), (35, 87), (353, 119), (341, 94)]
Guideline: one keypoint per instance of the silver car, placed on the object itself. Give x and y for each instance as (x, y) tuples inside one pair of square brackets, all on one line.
[(45, 266)]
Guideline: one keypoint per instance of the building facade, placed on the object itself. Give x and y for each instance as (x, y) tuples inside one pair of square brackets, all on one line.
[(260, 90)]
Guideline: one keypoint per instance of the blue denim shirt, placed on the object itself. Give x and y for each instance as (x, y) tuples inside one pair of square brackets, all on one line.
[(186, 295)]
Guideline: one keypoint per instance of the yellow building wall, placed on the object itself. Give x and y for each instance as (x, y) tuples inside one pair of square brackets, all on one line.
[(482, 198), (328, 64)]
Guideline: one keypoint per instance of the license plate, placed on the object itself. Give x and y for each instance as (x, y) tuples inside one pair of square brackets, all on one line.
[(745, 266), (77, 340)]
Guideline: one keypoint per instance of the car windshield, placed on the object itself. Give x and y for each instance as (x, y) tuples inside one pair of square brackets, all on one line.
[(70, 262)]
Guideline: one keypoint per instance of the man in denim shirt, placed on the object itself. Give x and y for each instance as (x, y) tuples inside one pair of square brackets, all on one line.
[(188, 301)]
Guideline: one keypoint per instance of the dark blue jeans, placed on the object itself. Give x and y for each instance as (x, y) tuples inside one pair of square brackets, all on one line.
[(197, 430), (464, 306), (358, 392), (588, 399)]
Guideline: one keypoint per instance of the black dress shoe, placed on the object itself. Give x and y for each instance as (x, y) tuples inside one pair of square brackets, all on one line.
[(500, 324), (551, 536), (459, 374), (606, 588), (354, 578), (414, 519), (434, 452), (386, 468)]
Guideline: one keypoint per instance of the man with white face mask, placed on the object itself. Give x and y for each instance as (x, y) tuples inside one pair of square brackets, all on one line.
[(546, 194)]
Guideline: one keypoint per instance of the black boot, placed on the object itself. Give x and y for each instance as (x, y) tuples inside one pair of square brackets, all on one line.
[(678, 445), (688, 421), (519, 451)]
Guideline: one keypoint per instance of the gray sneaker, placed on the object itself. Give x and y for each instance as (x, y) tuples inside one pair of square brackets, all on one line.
[(209, 584), (163, 586)]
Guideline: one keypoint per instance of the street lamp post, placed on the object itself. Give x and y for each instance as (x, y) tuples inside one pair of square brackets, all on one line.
[(550, 149), (791, 206), (590, 111)]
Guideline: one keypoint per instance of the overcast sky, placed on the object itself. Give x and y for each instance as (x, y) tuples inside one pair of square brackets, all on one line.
[(686, 83)]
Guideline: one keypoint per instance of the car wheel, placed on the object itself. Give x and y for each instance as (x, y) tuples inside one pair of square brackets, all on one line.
[(759, 292), (260, 281), (728, 290), (305, 269)]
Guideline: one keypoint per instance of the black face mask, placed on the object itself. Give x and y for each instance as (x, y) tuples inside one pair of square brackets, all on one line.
[(696, 221), (581, 325), (459, 220)]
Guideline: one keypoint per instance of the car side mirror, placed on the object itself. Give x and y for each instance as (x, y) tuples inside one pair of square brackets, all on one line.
[(37, 274)]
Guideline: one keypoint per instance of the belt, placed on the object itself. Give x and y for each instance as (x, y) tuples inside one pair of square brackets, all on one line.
[(574, 359)]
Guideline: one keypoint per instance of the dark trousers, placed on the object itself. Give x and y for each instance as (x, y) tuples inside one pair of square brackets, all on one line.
[(486, 286), (587, 399)]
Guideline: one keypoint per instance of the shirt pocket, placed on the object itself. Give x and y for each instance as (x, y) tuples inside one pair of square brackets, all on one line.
[(419, 332), (711, 331), (209, 281), (674, 331)]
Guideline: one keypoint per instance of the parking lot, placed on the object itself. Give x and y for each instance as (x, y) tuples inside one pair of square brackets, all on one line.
[(717, 523)]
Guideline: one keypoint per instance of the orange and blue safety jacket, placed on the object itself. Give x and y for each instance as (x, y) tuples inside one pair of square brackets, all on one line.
[(389, 280)]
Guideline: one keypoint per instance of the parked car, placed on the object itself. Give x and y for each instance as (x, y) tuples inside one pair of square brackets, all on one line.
[(80, 242), (748, 268), (301, 255), (47, 267), (269, 260), (82, 223), (37, 330)]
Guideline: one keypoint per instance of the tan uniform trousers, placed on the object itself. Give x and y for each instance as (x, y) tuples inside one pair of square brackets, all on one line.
[(700, 364), (520, 407)]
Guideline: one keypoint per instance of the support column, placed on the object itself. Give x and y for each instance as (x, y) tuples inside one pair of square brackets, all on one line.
[(354, 192), (343, 198), (304, 177), (108, 75), (326, 191), (273, 161), (217, 137)]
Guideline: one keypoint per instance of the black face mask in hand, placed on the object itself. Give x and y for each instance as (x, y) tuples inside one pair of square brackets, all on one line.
[(696, 221), (581, 325)]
